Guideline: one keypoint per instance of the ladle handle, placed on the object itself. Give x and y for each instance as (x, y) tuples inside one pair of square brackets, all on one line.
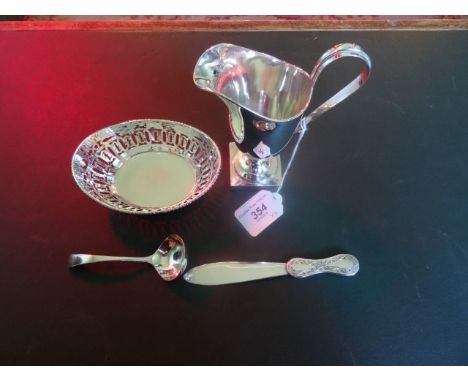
[(333, 54), (80, 259), (343, 264)]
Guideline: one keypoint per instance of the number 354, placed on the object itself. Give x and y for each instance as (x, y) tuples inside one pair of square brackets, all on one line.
[(259, 211)]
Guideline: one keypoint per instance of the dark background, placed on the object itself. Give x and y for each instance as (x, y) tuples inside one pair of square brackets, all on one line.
[(382, 176)]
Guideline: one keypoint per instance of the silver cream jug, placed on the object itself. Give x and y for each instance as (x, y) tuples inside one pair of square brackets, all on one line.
[(267, 99)]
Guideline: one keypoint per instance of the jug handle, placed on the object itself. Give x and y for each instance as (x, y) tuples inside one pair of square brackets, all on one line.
[(335, 53)]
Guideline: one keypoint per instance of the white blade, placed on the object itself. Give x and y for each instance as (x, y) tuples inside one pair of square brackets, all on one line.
[(229, 272)]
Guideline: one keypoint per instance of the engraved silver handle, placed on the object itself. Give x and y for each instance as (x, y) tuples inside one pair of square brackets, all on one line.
[(333, 54), (344, 264)]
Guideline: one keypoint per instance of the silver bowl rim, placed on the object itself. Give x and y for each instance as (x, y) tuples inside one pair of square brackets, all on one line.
[(150, 210)]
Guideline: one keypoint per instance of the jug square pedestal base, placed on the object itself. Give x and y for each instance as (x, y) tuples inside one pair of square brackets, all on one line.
[(239, 178)]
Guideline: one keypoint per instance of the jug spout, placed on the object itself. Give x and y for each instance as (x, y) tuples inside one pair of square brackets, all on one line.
[(270, 88)]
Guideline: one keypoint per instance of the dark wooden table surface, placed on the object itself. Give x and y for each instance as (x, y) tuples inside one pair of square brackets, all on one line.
[(383, 176)]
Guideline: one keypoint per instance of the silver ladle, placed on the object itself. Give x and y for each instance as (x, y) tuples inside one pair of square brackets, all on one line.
[(169, 260)]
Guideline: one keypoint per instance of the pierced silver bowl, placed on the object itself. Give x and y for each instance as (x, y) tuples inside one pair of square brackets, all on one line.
[(146, 166)]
